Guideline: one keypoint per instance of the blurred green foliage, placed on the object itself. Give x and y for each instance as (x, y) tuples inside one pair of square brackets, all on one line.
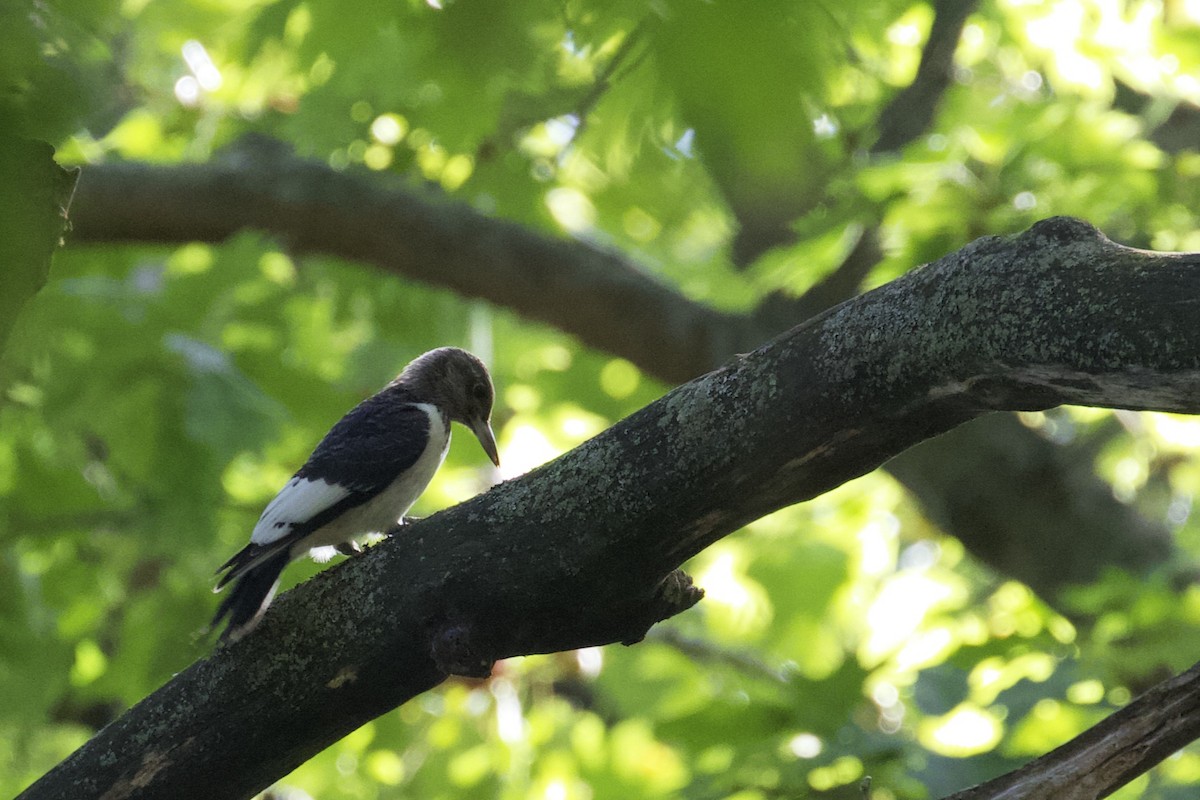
[(156, 398)]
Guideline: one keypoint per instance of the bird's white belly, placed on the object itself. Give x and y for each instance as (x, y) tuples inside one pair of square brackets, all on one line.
[(385, 509)]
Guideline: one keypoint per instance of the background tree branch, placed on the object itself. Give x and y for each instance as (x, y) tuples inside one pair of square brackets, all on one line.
[(912, 111), (1109, 755), (314, 209), (1004, 521), (583, 550)]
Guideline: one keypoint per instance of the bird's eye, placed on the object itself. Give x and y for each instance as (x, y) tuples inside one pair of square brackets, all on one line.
[(480, 391)]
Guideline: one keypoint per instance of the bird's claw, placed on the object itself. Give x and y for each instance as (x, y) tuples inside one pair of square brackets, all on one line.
[(401, 524), (349, 549)]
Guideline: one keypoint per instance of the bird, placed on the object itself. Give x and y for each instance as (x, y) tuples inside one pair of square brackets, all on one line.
[(362, 478)]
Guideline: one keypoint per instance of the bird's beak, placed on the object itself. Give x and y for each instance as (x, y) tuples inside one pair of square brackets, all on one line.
[(483, 431)]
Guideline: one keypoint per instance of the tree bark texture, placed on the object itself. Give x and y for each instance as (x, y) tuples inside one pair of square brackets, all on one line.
[(312, 208), (584, 550)]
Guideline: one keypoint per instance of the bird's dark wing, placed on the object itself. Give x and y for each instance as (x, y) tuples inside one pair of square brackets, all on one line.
[(371, 445), (359, 457)]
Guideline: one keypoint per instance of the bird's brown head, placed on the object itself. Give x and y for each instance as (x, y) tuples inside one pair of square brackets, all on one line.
[(459, 384)]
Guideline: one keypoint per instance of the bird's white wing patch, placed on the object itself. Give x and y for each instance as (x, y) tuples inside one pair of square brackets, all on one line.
[(299, 501)]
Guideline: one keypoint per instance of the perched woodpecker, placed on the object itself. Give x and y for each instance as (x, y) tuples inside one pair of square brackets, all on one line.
[(362, 478)]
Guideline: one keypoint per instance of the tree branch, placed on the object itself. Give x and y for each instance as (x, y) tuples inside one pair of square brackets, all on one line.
[(523, 110), (1002, 521), (705, 651), (1109, 755), (667, 335), (1174, 131), (583, 551), (910, 113)]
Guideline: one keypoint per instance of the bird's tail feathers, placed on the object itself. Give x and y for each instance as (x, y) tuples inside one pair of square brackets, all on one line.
[(253, 592), (246, 559)]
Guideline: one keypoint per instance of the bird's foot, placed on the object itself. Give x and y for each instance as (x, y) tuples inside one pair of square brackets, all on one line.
[(349, 549), (401, 524)]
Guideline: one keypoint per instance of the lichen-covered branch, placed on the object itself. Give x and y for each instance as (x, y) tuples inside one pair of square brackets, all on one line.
[(309, 206), (584, 550)]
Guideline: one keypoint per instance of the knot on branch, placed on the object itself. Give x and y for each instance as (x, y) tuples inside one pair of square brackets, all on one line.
[(1063, 230), (674, 594), (456, 650)]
